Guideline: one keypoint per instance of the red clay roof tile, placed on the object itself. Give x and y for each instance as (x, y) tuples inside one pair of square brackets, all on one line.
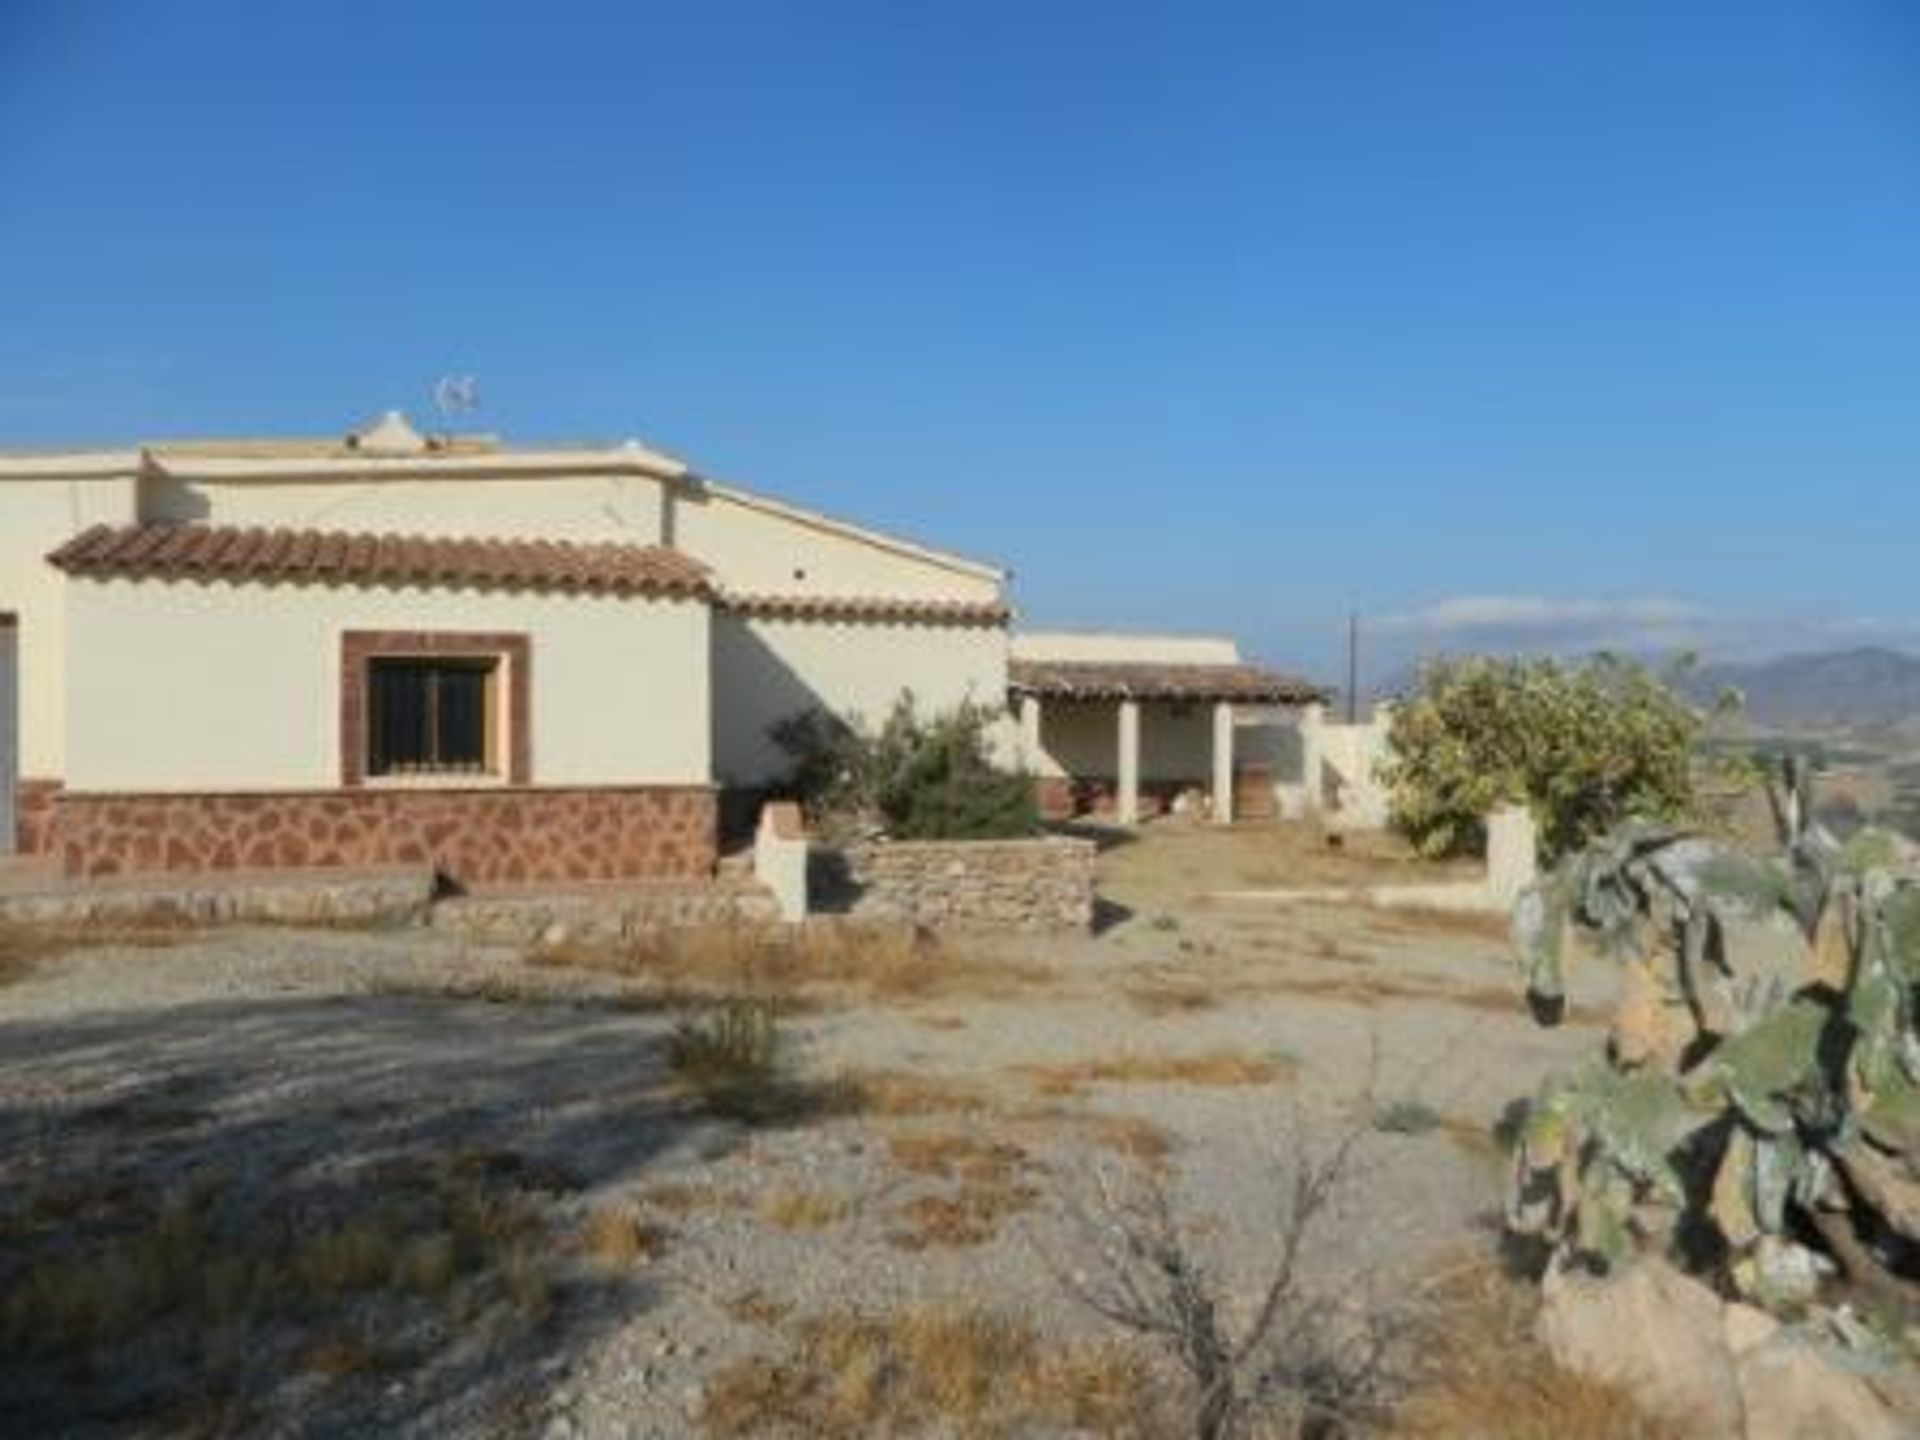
[(326, 556)]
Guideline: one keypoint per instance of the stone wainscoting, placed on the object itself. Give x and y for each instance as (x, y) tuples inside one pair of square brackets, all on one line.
[(33, 804), (622, 913), (1041, 884), (493, 836), (1067, 798)]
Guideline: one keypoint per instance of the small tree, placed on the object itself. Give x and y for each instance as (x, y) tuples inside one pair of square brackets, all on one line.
[(917, 777), (1585, 746)]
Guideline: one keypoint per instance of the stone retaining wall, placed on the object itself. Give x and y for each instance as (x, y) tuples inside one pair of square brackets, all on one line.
[(1041, 884), (396, 897), (620, 913), (502, 835)]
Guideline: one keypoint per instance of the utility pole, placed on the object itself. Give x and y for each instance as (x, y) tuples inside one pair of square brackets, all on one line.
[(1353, 667)]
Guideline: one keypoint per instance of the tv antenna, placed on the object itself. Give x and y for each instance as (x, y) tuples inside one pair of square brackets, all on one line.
[(455, 396)]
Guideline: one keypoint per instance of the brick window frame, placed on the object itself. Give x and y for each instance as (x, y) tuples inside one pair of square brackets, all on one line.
[(358, 648)]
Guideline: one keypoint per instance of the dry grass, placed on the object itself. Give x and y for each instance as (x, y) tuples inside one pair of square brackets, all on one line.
[(23, 948), (828, 959), (899, 1094), (1213, 1068), (931, 1370), (988, 1180), (678, 1198), (619, 1237), (89, 1265), (1484, 1374), (756, 1307), (1423, 922), (796, 1207), (1160, 995)]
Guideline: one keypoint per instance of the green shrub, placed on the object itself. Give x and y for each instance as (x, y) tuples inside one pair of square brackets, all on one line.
[(731, 1059), (917, 777), (1584, 746)]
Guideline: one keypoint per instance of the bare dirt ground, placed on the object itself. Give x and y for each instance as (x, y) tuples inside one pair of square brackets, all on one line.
[(337, 1183)]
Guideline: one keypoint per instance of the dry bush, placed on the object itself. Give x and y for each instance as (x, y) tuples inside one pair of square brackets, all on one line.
[(731, 1061), (1295, 1359), (619, 1237), (1481, 1371), (1213, 1068), (989, 1180), (793, 1207), (832, 959), (930, 1370)]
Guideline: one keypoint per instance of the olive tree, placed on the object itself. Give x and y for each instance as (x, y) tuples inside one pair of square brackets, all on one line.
[(1583, 745)]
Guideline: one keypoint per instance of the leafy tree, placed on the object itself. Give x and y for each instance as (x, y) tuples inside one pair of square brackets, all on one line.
[(1584, 746), (916, 777)]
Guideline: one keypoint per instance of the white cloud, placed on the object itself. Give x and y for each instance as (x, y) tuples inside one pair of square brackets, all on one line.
[(1523, 614)]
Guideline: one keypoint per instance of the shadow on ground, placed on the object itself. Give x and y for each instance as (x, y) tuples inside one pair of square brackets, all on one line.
[(339, 1216)]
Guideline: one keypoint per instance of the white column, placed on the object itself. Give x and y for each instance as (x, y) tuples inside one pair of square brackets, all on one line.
[(1313, 721), (1223, 762), (1127, 802), (1030, 731)]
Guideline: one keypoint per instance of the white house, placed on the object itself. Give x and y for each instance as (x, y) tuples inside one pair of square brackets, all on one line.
[(518, 665)]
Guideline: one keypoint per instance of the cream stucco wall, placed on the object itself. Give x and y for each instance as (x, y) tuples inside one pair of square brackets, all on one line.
[(623, 508), (766, 670), (759, 550), (187, 686), (38, 515)]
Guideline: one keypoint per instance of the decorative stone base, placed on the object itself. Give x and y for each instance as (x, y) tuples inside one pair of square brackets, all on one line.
[(1065, 797), (33, 802), (495, 836), (1042, 884)]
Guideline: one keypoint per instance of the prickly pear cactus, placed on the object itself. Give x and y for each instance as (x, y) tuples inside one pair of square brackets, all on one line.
[(1758, 1104)]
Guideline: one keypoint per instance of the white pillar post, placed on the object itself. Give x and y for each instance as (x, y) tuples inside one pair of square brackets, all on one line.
[(1313, 720), (1127, 802), (1223, 762), (1030, 731)]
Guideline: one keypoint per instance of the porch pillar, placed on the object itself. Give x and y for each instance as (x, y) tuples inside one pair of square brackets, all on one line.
[(1030, 730), (1223, 762), (1127, 802)]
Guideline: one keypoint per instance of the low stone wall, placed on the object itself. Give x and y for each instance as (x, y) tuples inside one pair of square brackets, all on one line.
[(621, 913), (1041, 884), (392, 897), (492, 836)]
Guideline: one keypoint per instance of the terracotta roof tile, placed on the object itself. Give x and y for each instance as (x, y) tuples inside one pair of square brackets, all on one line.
[(326, 556), (897, 608), (1144, 680)]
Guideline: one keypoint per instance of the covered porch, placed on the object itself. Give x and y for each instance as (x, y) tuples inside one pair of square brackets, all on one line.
[(1124, 739)]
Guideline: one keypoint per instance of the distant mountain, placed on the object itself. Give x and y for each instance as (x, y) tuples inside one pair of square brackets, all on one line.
[(1864, 689)]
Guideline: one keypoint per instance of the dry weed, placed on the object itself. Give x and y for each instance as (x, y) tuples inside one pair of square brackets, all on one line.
[(620, 1237), (934, 1369), (1485, 1374), (988, 1179), (826, 959), (793, 1207), (756, 1307), (25, 947), (1213, 1068)]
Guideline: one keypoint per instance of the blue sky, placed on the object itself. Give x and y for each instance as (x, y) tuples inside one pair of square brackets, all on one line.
[(1541, 322)]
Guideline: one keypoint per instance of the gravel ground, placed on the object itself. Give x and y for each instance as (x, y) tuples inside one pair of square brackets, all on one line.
[(299, 1060)]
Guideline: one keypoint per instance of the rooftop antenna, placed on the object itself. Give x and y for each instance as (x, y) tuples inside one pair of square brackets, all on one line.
[(455, 396)]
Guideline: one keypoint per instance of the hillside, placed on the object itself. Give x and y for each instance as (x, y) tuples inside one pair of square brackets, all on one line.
[(1865, 688)]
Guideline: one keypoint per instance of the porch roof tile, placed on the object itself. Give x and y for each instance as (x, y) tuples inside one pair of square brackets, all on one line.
[(1150, 680)]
